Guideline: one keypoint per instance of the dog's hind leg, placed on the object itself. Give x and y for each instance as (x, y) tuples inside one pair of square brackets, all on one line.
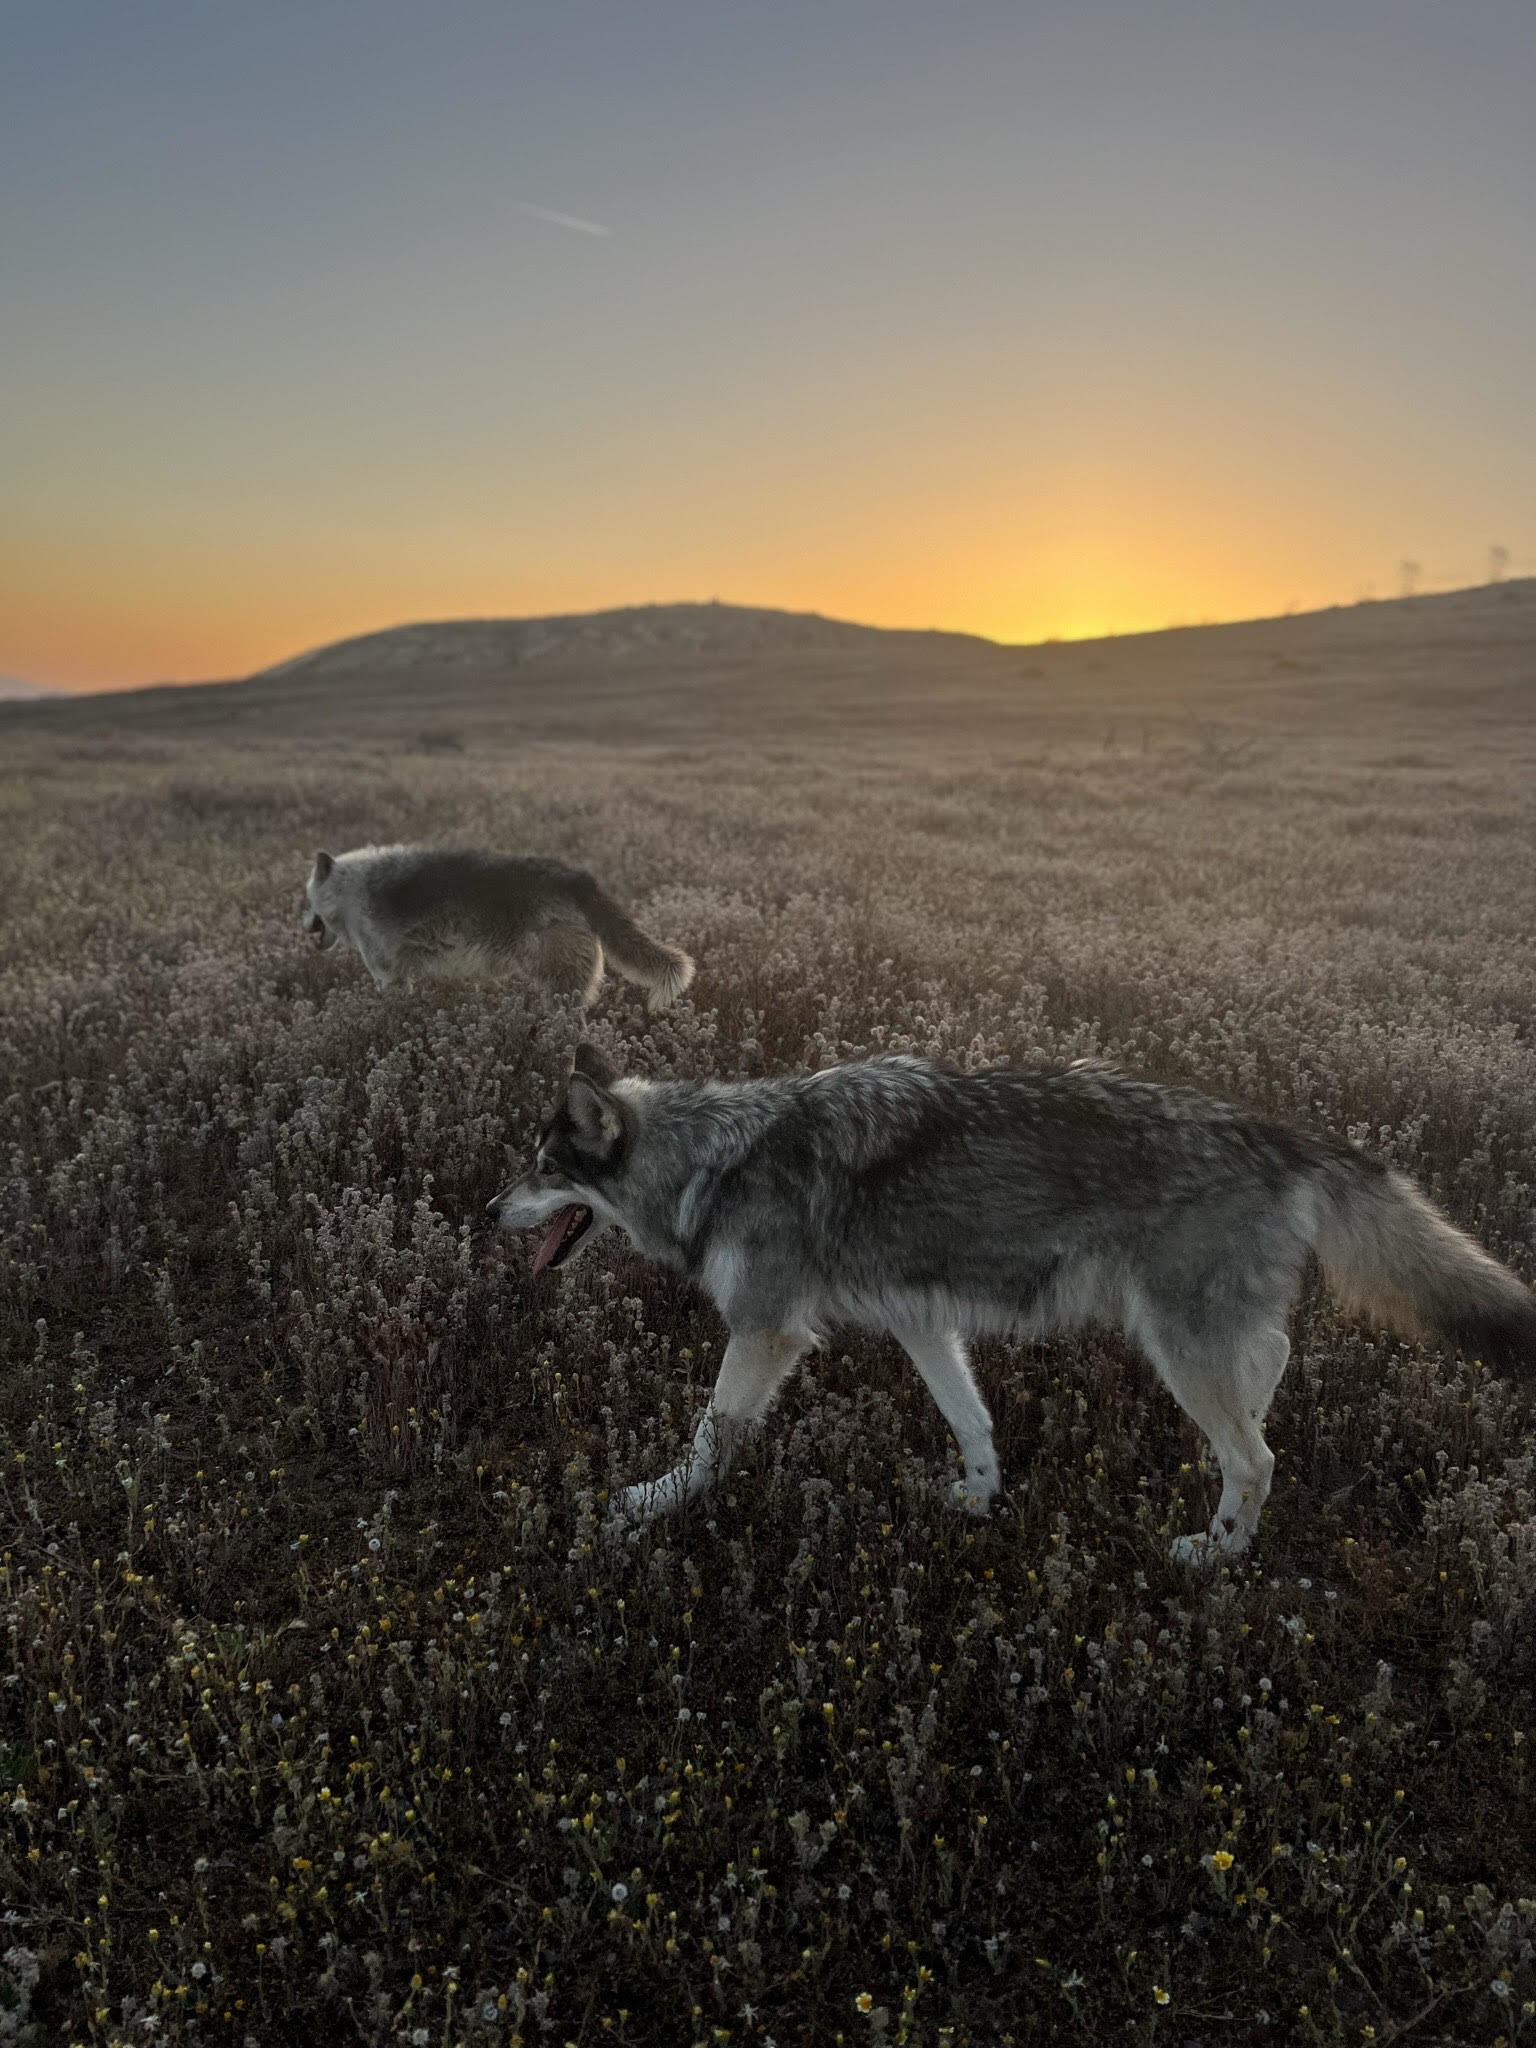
[(1227, 1393), (755, 1366), (941, 1359), (570, 962)]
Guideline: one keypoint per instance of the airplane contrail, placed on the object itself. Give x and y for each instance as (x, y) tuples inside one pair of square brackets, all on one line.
[(562, 220)]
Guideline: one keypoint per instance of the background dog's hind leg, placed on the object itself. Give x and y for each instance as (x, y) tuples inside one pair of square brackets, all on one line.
[(755, 1366), (1227, 1392), (942, 1360), (384, 969), (570, 961), (412, 960)]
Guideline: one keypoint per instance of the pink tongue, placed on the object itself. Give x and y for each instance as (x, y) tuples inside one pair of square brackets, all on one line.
[(554, 1237)]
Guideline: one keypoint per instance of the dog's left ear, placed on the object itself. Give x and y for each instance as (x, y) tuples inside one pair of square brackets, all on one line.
[(589, 1061), (324, 862), (598, 1118)]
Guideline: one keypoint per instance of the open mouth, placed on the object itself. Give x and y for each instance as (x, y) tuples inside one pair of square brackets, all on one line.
[(567, 1228)]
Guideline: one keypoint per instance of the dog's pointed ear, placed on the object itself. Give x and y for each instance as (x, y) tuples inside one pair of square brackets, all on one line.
[(599, 1120), (589, 1061), (324, 862)]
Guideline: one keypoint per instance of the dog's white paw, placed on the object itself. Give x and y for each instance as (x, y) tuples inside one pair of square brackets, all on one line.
[(653, 1498), (1210, 1546), (636, 1505), (972, 1496)]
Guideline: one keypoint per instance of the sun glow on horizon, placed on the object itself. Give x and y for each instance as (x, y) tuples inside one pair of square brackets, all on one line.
[(89, 649), (85, 648), (150, 610)]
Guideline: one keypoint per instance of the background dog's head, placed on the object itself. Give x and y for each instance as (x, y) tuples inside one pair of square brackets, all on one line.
[(319, 917), (578, 1161)]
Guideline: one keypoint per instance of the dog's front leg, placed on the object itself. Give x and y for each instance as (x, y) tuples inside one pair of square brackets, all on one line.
[(940, 1356), (756, 1364)]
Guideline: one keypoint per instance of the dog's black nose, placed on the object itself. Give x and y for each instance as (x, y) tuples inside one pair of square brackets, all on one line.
[(493, 1208)]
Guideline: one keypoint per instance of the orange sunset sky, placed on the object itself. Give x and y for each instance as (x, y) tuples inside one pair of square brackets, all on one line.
[(1021, 320)]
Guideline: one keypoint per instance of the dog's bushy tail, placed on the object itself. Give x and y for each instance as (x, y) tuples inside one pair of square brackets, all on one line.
[(662, 971), (1392, 1258)]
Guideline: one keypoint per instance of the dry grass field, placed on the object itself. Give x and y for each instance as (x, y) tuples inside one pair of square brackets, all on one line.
[(331, 1709)]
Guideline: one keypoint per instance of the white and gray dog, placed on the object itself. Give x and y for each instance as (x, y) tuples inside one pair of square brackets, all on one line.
[(898, 1196), (416, 912)]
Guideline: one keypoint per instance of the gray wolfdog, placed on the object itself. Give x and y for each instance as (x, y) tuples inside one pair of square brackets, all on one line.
[(416, 911), (897, 1196)]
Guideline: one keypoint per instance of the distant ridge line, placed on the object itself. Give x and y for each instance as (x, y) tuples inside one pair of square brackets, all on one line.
[(715, 629), (708, 627)]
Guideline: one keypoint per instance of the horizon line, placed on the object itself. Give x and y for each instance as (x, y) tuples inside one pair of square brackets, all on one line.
[(36, 692)]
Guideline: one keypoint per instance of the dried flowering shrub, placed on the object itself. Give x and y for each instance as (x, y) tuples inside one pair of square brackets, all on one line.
[(330, 1705)]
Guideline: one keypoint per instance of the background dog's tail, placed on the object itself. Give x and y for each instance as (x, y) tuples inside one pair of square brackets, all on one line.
[(1390, 1256), (662, 971)]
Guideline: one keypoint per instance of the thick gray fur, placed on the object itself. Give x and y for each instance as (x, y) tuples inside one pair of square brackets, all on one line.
[(897, 1196), (426, 913)]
